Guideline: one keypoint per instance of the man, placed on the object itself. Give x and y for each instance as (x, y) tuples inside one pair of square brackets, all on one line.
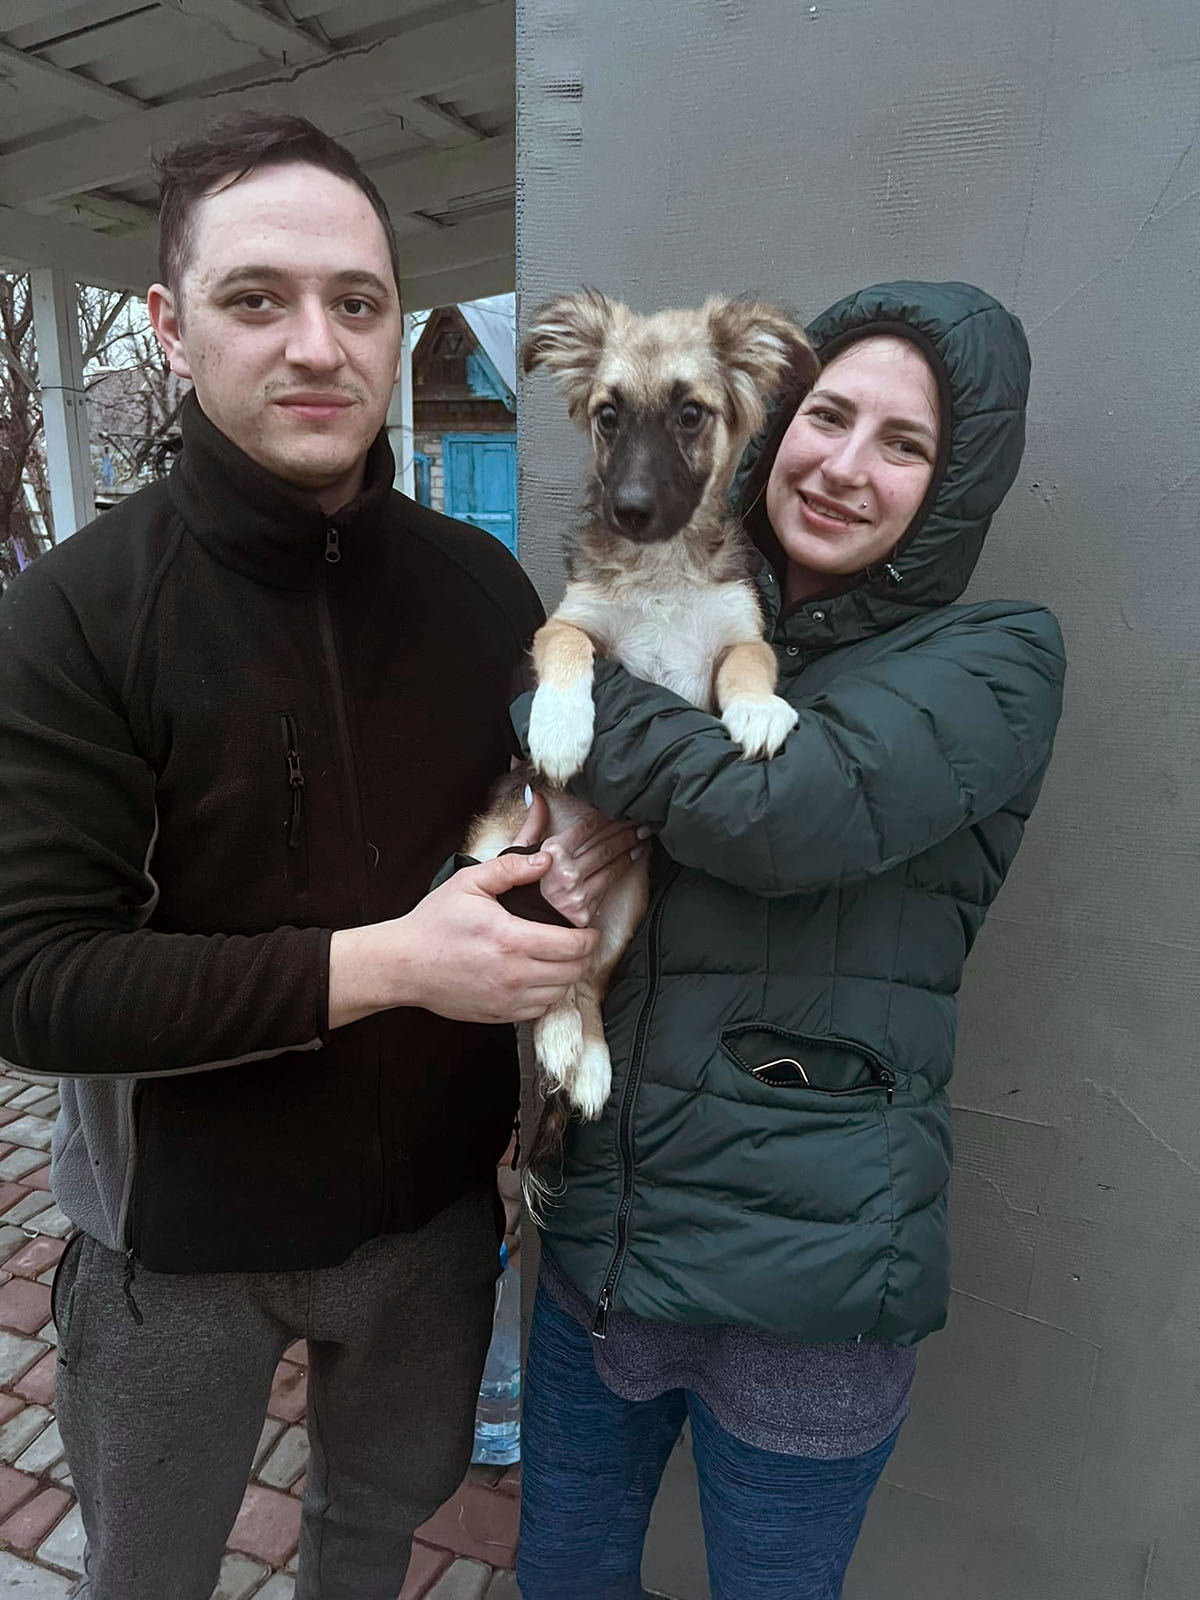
[(243, 719)]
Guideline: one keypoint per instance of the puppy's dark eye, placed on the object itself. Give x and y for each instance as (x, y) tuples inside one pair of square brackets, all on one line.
[(606, 418), (690, 416)]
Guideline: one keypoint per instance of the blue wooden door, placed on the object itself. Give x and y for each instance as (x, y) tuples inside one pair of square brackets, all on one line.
[(480, 477)]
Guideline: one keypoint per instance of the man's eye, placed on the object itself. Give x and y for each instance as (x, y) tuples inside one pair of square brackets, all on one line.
[(606, 418), (355, 306), (253, 302)]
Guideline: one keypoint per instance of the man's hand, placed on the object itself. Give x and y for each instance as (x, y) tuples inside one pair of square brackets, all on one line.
[(459, 954), (587, 858)]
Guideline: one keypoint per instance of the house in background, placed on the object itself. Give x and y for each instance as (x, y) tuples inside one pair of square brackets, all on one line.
[(464, 381)]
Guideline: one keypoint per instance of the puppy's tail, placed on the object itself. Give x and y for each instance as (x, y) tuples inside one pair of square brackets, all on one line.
[(541, 1180)]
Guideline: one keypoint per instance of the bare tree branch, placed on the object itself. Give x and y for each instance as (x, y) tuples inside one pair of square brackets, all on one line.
[(133, 409), (93, 344), (16, 366)]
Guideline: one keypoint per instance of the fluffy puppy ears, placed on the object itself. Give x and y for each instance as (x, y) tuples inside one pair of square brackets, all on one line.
[(567, 337), (761, 351)]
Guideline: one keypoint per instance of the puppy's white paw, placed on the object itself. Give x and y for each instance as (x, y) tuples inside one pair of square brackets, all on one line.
[(593, 1080), (558, 1043), (759, 726), (560, 729)]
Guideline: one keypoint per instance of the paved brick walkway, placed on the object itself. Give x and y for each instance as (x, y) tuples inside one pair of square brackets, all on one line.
[(465, 1552)]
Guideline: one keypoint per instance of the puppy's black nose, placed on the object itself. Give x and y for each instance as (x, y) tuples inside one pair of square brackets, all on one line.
[(632, 509)]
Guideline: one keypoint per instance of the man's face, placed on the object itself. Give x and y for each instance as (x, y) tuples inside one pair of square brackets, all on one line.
[(289, 324)]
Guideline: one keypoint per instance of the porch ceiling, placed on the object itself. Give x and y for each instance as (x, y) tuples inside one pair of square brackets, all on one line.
[(421, 92)]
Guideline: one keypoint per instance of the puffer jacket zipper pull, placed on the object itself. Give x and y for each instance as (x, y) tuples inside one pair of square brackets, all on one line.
[(333, 545), (600, 1326)]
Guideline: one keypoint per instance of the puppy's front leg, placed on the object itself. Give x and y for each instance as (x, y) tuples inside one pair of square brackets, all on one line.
[(757, 718), (563, 716)]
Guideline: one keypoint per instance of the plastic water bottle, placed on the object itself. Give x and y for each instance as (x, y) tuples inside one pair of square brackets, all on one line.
[(498, 1414)]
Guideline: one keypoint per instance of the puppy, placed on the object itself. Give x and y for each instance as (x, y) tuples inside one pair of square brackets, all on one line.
[(658, 579)]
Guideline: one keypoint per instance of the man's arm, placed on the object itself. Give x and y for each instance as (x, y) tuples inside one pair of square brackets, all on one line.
[(87, 988)]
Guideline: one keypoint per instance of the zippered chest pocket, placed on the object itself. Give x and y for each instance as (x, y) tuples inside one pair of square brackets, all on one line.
[(823, 1063), (293, 813)]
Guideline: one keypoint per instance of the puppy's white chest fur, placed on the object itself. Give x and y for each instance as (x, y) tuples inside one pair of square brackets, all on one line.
[(672, 634)]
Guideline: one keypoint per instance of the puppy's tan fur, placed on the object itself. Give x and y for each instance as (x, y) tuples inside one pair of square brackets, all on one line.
[(658, 579)]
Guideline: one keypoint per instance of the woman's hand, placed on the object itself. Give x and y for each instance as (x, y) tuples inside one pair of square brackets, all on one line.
[(587, 857)]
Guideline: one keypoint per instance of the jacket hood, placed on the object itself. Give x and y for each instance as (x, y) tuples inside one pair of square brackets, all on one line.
[(250, 520), (980, 359)]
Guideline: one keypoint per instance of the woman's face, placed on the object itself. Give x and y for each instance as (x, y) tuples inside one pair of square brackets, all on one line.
[(855, 463)]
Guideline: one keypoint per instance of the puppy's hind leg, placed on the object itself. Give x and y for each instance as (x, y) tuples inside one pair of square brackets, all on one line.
[(623, 908), (558, 1042), (587, 1089)]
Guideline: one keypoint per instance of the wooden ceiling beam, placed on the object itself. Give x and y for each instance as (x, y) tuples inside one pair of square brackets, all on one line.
[(28, 241), (437, 123), (464, 245), (67, 89), (433, 60), (245, 23), (433, 179)]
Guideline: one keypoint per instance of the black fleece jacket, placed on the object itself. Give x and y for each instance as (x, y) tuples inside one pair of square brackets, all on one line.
[(230, 724)]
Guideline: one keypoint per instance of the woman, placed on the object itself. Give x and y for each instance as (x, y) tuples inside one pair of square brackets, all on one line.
[(753, 1235)]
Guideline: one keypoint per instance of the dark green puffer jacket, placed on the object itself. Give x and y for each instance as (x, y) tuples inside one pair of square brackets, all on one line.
[(818, 908)]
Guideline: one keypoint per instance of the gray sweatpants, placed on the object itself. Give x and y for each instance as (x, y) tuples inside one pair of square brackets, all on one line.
[(161, 1419)]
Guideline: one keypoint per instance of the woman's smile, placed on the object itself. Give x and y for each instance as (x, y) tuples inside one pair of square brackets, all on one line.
[(823, 513)]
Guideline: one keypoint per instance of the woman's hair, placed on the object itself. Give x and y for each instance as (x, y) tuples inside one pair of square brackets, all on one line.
[(753, 507), (227, 151)]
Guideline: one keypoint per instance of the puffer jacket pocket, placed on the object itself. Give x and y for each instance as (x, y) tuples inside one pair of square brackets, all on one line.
[(821, 1063), (809, 1117)]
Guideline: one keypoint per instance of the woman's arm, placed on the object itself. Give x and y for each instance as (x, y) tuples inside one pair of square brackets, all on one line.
[(886, 761)]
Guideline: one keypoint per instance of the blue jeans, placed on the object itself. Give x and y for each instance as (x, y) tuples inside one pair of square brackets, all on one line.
[(776, 1527)]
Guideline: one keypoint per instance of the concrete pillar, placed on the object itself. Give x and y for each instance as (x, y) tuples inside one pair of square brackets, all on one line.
[(400, 417), (60, 382)]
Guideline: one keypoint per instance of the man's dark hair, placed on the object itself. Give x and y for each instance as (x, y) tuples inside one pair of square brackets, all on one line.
[(228, 150)]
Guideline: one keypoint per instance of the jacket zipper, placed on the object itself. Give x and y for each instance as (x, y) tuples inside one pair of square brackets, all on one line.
[(886, 1081), (295, 777), (884, 1074), (333, 555), (625, 1117)]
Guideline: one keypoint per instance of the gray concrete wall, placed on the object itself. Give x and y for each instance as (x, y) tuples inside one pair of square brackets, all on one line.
[(1049, 153)]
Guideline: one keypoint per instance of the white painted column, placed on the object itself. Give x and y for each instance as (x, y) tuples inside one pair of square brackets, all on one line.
[(60, 384), (400, 418)]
